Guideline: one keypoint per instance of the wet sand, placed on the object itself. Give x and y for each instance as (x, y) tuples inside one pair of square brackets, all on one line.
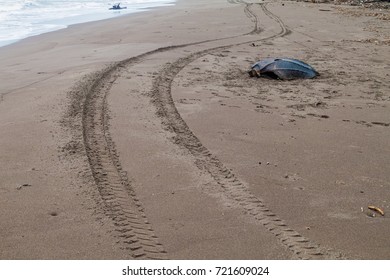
[(157, 143)]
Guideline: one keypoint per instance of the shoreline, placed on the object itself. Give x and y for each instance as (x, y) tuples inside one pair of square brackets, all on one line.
[(157, 144), (88, 18)]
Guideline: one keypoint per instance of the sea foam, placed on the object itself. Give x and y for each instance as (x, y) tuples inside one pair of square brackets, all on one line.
[(23, 18)]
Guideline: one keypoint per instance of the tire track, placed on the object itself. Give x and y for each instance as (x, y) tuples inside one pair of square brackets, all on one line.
[(226, 179), (283, 28), (253, 17), (89, 99), (250, 14), (120, 202)]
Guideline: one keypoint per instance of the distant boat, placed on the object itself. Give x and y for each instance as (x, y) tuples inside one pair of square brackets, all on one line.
[(117, 7)]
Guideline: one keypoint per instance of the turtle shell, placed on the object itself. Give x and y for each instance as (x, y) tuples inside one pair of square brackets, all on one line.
[(283, 68)]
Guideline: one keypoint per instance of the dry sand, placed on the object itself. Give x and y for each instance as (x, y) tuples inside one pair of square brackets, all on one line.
[(144, 137)]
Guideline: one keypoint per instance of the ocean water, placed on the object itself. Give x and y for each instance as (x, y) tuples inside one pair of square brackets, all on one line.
[(23, 18)]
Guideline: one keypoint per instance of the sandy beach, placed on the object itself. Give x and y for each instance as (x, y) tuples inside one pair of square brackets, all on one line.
[(144, 137)]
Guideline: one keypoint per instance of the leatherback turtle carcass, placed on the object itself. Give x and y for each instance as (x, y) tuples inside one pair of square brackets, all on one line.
[(283, 68)]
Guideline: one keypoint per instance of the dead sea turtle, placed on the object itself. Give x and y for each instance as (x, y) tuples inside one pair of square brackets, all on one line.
[(283, 68)]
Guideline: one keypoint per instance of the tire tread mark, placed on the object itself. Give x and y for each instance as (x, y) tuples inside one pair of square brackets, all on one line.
[(253, 17), (121, 204), (250, 14), (162, 99), (284, 30)]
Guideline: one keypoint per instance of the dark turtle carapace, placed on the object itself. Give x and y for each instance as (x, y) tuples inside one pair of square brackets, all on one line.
[(283, 68)]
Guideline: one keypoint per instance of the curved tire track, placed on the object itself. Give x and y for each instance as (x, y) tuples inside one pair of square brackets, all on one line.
[(226, 179), (88, 99), (120, 201)]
